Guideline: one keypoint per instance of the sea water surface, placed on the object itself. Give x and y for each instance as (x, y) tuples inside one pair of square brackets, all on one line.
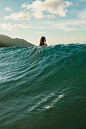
[(43, 87)]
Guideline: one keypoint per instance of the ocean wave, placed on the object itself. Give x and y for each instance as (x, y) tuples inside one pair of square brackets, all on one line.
[(43, 87)]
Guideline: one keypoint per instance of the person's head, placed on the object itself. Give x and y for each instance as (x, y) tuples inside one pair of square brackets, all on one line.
[(42, 40)]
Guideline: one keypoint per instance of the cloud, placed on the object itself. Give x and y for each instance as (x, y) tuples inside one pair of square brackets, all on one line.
[(19, 16), (24, 5), (49, 16), (65, 25), (7, 9), (55, 7), (40, 15), (50, 25), (12, 27), (39, 9), (8, 27), (82, 14)]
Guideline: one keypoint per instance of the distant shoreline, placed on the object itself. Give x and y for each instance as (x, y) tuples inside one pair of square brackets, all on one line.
[(6, 41)]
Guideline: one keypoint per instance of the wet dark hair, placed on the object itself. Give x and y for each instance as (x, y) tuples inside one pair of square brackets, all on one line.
[(42, 41)]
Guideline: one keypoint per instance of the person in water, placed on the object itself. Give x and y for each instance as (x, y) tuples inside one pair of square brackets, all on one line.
[(43, 41)]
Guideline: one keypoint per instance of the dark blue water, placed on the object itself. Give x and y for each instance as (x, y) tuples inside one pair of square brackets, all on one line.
[(43, 87)]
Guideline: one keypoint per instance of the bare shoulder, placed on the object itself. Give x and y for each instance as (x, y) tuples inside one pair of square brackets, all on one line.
[(45, 44)]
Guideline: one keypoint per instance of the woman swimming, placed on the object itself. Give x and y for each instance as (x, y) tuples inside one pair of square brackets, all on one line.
[(42, 41)]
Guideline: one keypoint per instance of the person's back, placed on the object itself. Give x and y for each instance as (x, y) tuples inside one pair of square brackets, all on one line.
[(42, 41)]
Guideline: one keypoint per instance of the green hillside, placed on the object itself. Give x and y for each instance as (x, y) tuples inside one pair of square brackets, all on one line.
[(3, 45), (6, 41)]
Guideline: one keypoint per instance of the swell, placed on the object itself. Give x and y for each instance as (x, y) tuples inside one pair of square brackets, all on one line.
[(53, 65), (39, 80)]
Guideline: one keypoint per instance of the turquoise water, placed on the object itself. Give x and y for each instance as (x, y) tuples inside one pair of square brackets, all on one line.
[(43, 87)]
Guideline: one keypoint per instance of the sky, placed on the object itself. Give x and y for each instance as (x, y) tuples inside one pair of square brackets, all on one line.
[(60, 21)]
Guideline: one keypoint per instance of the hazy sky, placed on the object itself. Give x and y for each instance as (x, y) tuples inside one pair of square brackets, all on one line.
[(60, 21)]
